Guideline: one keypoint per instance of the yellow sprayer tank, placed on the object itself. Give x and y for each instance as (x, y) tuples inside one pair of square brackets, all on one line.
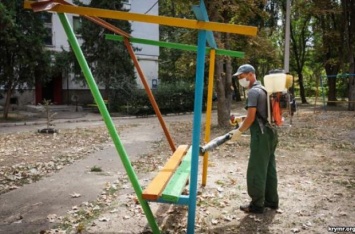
[(289, 81), (275, 82)]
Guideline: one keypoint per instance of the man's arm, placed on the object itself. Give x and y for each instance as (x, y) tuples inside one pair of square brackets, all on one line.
[(248, 120), (237, 133)]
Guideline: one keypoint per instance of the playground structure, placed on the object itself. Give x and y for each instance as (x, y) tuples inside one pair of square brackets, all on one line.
[(167, 186)]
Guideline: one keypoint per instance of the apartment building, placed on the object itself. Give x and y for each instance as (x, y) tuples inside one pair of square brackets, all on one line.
[(63, 89)]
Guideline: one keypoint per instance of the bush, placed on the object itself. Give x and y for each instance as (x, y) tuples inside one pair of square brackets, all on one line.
[(175, 97), (171, 98)]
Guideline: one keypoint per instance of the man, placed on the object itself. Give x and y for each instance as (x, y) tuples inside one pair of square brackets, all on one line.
[(261, 172)]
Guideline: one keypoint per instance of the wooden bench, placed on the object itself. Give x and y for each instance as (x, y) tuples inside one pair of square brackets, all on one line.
[(171, 179)]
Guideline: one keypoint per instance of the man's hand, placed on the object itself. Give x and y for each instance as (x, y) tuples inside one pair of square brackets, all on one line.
[(235, 134), (236, 120)]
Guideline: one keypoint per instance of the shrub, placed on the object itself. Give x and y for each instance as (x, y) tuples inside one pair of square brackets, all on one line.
[(174, 97)]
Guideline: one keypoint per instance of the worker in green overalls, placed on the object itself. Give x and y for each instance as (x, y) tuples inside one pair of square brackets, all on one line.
[(261, 173)]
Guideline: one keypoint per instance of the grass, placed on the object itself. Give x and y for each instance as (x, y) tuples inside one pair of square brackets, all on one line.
[(11, 118), (96, 169)]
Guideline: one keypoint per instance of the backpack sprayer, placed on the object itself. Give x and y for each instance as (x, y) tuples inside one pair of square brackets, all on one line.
[(215, 143), (276, 84), (280, 100)]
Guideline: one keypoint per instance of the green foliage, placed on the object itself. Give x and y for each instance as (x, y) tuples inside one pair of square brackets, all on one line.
[(342, 86), (176, 64), (62, 62), (174, 97), (109, 61), (137, 104), (23, 57)]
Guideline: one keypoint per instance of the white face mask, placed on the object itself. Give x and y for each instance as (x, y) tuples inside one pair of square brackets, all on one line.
[(244, 82)]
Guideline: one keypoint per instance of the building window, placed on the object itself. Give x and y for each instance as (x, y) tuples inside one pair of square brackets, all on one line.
[(46, 17), (154, 83), (48, 39), (47, 20), (126, 5), (77, 23)]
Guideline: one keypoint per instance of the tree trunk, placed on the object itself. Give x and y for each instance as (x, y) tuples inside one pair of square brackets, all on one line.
[(331, 91), (349, 8), (7, 101), (351, 106), (331, 71), (302, 93), (224, 84), (351, 95), (223, 111), (228, 79), (237, 97), (223, 69)]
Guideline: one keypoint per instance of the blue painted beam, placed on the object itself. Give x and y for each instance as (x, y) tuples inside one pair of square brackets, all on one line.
[(196, 132), (201, 15)]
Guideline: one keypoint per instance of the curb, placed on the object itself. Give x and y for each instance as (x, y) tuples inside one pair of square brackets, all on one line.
[(81, 119), (32, 123)]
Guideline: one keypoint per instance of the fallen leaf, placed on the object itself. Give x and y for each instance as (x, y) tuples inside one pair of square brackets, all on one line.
[(96, 208), (343, 214), (51, 218), (75, 195), (214, 221), (104, 219)]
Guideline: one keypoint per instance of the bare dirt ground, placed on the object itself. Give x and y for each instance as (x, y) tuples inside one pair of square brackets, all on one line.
[(316, 171)]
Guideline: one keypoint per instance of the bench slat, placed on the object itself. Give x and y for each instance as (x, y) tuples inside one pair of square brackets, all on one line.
[(157, 185), (178, 181)]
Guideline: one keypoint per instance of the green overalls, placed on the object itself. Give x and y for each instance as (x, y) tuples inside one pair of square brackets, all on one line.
[(261, 173)]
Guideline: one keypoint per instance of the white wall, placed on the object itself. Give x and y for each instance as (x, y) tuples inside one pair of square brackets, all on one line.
[(145, 30), (147, 55)]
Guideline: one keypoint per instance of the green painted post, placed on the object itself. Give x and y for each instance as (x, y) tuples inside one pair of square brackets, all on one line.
[(108, 120), (173, 45)]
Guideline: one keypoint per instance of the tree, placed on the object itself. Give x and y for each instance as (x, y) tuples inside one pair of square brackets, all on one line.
[(349, 39), (258, 51), (300, 40), (23, 56), (330, 48), (223, 67), (176, 65), (109, 61), (335, 24)]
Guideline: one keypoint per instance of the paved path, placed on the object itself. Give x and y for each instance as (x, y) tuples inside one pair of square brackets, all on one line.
[(34, 202), (25, 209)]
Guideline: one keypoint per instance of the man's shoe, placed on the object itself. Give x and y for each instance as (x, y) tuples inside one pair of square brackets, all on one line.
[(252, 209), (274, 207)]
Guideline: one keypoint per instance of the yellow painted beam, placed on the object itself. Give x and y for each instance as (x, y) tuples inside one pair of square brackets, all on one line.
[(208, 113), (162, 20)]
